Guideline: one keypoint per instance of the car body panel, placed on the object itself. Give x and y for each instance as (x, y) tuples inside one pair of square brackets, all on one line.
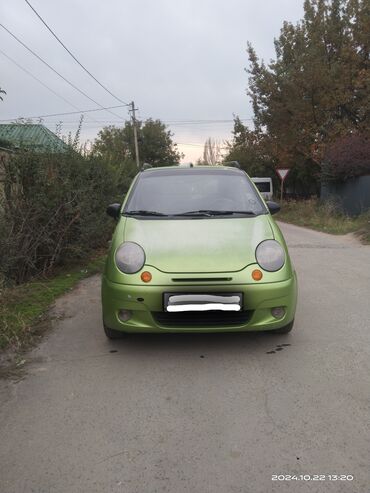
[(200, 244), (257, 299)]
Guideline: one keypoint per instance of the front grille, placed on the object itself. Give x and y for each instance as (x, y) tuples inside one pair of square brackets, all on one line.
[(212, 318), (202, 279)]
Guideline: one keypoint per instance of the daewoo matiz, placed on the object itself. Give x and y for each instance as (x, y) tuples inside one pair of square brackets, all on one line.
[(196, 250)]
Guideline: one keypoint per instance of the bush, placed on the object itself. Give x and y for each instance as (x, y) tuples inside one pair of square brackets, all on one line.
[(52, 211), (346, 158)]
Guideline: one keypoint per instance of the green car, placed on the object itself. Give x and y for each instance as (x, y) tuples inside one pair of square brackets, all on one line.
[(196, 250)]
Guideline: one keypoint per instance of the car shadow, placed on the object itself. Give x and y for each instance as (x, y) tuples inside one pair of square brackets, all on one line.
[(201, 343)]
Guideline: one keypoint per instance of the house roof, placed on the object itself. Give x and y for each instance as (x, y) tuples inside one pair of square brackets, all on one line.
[(32, 136)]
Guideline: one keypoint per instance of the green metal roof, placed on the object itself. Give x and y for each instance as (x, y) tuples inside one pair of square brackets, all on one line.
[(32, 136)]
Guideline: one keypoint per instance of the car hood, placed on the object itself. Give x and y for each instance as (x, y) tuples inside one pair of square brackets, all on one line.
[(199, 245)]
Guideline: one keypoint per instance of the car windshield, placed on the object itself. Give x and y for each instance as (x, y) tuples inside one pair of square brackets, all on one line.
[(194, 192)]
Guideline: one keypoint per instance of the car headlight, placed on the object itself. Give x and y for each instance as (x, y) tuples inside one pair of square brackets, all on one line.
[(130, 257), (270, 255)]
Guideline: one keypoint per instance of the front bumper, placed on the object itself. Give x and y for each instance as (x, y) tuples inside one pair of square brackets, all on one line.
[(146, 304)]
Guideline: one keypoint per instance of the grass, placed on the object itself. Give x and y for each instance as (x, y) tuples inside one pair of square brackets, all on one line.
[(323, 217), (23, 308)]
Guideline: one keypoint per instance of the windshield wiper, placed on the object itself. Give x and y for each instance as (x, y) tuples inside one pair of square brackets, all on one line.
[(209, 212), (143, 213), (249, 213)]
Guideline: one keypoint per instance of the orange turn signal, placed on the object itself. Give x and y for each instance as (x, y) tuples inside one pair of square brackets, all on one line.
[(146, 276), (257, 275)]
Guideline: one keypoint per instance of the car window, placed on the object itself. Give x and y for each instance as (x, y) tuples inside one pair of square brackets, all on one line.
[(178, 191), (263, 186)]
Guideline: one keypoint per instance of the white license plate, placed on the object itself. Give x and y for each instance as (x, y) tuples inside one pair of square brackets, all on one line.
[(194, 302)]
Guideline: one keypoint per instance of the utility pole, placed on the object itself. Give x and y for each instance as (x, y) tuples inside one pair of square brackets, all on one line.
[(134, 124)]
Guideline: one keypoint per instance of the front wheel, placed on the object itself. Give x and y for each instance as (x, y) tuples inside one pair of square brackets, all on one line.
[(113, 334), (284, 330)]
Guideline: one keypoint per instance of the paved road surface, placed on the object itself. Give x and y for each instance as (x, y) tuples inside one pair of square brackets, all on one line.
[(199, 414)]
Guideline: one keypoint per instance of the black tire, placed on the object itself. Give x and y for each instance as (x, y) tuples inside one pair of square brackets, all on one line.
[(284, 330), (113, 334)]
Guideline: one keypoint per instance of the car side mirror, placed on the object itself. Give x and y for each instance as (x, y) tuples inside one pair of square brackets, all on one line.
[(273, 207), (113, 210)]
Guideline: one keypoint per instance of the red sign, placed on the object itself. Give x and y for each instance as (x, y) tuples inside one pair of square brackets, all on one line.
[(282, 172)]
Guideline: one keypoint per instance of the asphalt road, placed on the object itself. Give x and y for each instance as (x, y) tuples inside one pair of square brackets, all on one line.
[(205, 413)]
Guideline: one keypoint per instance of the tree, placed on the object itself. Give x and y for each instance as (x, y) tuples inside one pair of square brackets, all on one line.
[(250, 149), (317, 89), (256, 154), (212, 152), (116, 144)]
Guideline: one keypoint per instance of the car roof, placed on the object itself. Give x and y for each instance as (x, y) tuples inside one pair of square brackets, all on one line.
[(258, 179), (193, 168)]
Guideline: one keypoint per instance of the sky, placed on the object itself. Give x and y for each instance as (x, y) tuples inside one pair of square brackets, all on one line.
[(179, 61)]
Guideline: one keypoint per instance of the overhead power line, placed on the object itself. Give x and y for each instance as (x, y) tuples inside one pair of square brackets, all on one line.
[(73, 56), (35, 78), (56, 72), (67, 113), (112, 122), (170, 123), (201, 122), (196, 145), (43, 84)]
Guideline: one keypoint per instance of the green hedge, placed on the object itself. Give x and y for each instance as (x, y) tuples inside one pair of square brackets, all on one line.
[(52, 211)]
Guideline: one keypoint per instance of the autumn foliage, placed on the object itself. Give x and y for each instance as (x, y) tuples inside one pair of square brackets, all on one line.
[(347, 157), (317, 90)]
